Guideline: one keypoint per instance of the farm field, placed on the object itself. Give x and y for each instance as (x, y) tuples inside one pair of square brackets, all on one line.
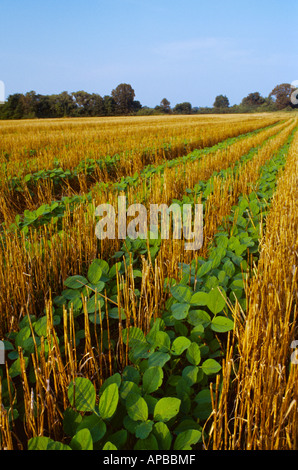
[(140, 344)]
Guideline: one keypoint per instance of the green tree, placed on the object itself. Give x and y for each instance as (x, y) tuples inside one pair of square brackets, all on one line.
[(165, 106), (282, 95), (124, 98), (221, 102), (109, 105), (183, 108), (253, 99)]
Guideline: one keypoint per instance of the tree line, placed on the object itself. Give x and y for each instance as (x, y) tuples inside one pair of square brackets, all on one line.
[(122, 102)]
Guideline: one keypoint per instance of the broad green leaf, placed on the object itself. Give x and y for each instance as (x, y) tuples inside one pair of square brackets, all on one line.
[(119, 438), (152, 379), (75, 282), (181, 293), (162, 341), (113, 379), (216, 300), (186, 439), (199, 299), (71, 421), (95, 303), (144, 429), (22, 335), (147, 444), (95, 425), (166, 408), (221, 324), (190, 374), (204, 404), (163, 435), (179, 345), (40, 327), (39, 443), (81, 394), (45, 443), (131, 374), (94, 272), (198, 317), (82, 440), (108, 401), (127, 387), (180, 311), (15, 368), (210, 366), (109, 446), (158, 358), (133, 336), (137, 407), (204, 269), (193, 354)]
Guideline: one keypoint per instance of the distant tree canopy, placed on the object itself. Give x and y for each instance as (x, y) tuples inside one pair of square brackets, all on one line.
[(253, 99), (124, 98), (183, 108), (282, 95), (122, 102), (221, 101)]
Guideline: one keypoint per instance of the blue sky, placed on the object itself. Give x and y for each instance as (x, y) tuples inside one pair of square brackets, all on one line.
[(184, 50)]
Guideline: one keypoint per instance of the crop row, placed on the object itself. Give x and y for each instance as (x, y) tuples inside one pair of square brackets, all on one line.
[(32, 189), (46, 212), (30, 262), (164, 395)]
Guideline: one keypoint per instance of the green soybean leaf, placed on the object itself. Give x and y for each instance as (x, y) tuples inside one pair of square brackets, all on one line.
[(94, 272), (152, 379), (179, 345), (95, 425), (82, 440), (163, 435), (186, 439), (137, 407), (198, 317), (190, 374), (180, 311), (210, 366), (199, 299), (193, 354), (81, 394), (147, 444), (221, 324), (71, 421), (75, 282), (39, 443), (204, 404), (15, 368), (216, 300), (108, 401), (204, 268), (40, 327), (127, 387), (144, 429), (181, 293), (109, 446), (158, 358), (131, 374), (22, 335), (166, 408), (162, 341)]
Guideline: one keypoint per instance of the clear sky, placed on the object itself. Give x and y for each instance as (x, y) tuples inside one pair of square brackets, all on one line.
[(182, 50)]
